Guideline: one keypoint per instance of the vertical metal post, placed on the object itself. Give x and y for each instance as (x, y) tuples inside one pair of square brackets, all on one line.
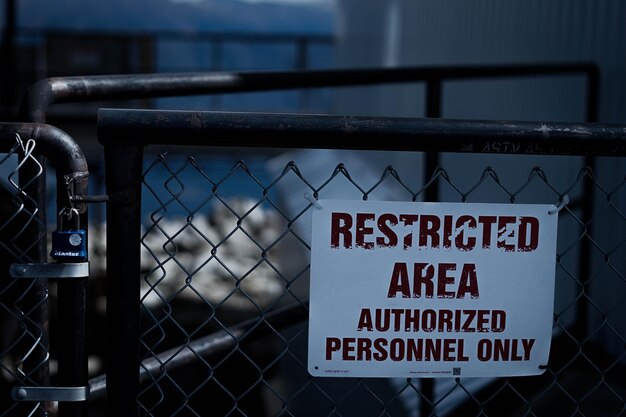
[(72, 311), (302, 62), (584, 260), (123, 164), (217, 64), (38, 296), (433, 110), (7, 64), (36, 364), (72, 300)]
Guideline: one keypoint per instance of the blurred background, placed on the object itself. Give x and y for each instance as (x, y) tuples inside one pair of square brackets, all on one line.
[(42, 39)]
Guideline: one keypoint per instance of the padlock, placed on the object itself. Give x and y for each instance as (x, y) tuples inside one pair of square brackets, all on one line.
[(69, 245)]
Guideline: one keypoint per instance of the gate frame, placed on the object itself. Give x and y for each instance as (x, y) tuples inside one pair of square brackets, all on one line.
[(44, 93), (124, 133)]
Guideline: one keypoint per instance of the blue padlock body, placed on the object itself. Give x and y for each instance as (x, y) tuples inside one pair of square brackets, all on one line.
[(69, 245)]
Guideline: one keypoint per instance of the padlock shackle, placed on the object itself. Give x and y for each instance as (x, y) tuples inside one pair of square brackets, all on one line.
[(69, 214)]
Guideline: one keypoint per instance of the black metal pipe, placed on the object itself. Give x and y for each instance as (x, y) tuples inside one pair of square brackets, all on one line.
[(580, 329), (351, 132), (72, 333), (207, 346), (56, 146), (433, 110), (37, 190), (123, 167), (431, 162), (70, 163), (431, 159), (117, 87), (8, 72)]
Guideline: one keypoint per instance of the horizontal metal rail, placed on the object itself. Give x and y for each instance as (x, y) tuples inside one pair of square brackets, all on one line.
[(350, 132), (207, 346), (120, 87)]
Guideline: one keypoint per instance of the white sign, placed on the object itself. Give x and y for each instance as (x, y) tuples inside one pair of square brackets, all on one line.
[(431, 289)]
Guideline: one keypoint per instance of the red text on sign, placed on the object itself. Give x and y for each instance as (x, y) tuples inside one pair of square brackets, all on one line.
[(443, 280), (464, 232)]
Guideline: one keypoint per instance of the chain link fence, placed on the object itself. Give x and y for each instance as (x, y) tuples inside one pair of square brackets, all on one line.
[(262, 285), (225, 253), (24, 347), (219, 319)]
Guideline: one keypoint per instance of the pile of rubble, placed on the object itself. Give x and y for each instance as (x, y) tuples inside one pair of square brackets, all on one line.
[(227, 258)]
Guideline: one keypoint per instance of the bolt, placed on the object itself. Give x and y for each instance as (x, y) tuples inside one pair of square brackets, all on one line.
[(19, 270), (21, 394)]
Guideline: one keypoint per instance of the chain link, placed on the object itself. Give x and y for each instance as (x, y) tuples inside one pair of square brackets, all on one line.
[(211, 259)]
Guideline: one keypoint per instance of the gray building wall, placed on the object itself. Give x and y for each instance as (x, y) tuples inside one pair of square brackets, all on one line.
[(374, 33), (449, 32)]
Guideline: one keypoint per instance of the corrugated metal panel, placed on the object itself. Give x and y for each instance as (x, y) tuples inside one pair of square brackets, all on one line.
[(456, 32), (492, 31)]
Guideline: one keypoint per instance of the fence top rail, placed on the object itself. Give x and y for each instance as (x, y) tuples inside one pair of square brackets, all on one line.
[(275, 130), (41, 95)]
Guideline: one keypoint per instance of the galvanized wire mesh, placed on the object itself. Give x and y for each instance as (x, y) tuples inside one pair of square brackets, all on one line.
[(223, 249), (23, 325)]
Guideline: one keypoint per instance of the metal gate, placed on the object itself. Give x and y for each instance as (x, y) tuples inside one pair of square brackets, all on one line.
[(32, 184), (217, 323), (24, 298)]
